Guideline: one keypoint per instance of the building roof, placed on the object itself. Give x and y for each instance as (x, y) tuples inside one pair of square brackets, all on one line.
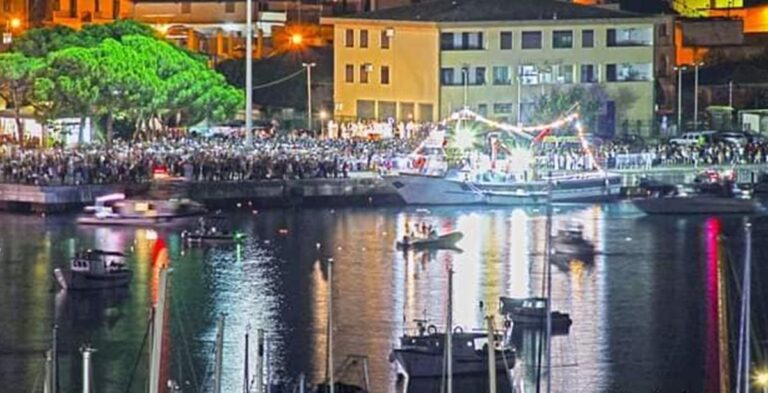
[(492, 11)]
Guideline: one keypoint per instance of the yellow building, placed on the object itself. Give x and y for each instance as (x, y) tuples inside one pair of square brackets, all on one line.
[(427, 60)]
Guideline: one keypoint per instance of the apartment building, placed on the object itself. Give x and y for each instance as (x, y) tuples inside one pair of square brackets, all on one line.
[(425, 61)]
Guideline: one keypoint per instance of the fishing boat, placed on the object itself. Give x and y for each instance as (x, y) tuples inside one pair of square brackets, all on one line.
[(94, 269), (115, 209), (447, 240), (722, 197), (570, 240), (423, 356), (531, 313)]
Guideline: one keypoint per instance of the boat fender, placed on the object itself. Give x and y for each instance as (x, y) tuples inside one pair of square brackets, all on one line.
[(458, 329), (507, 323), (432, 329)]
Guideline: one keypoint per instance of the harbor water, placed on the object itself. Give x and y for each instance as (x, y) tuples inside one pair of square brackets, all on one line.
[(647, 310)]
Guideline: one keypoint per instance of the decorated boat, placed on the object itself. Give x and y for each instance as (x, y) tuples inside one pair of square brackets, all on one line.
[(531, 313), (115, 209), (434, 241), (212, 236), (570, 240), (94, 269)]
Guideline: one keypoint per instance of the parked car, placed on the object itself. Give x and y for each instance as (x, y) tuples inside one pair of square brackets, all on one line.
[(693, 137), (733, 137)]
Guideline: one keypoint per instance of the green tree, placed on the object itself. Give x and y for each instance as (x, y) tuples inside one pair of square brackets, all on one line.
[(17, 75), (550, 106)]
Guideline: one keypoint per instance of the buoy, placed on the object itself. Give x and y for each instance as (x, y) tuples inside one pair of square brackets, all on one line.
[(239, 204)]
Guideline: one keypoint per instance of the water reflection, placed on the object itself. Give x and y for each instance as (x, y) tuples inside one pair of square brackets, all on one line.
[(641, 308)]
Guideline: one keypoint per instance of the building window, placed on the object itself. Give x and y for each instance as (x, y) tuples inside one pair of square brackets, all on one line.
[(587, 38), (229, 6), (363, 38), (501, 75), (349, 73), (530, 40), (562, 39), (505, 40), (186, 7), (662, 30), (364, 73), (349, 38), (385, 39), (529, 74), (461, 41), (588, 73), (482, 109), (447, 76), (366, 109), (563, 73), (7, 6), (629, 36), (479, 78), (96, 6), (503, 107), (384, 75), (626, 72)]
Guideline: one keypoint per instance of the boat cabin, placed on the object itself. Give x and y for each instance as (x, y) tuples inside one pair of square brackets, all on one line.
[(98, 262), (462, 342)]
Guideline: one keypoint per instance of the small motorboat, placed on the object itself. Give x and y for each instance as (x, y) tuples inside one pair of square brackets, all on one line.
[(421, 355), (531, 313), (570, 240), (212, 236), (115, 209), (447, 240), (94, 269)]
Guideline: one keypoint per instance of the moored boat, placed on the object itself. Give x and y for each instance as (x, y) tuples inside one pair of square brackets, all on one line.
[(570, 240), (94, 269), (705, 198), (531, 313), (212, 236)]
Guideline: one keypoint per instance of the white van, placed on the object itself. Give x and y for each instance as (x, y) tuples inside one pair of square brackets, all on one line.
[(692, 138)]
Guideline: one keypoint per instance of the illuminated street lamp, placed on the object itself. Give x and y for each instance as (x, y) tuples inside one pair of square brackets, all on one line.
[(296, 39), (15, 23), (696, 95), (680, 97), (761, 380)]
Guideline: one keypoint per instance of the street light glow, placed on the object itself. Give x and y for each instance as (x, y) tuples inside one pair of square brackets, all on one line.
[(296, 39), (15, 23), (761, 378)]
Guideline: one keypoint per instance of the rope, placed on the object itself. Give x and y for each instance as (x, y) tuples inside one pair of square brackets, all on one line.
[(138, 355), (281, 80)]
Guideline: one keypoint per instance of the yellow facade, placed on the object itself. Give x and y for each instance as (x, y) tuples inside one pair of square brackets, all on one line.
[(694, 8), (418, 65), (412, 57), (77, 13)]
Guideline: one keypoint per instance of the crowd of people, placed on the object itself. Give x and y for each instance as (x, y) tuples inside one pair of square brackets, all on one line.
[(200, 159)]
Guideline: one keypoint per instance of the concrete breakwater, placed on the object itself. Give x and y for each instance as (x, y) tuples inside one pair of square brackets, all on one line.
[(362, 191)]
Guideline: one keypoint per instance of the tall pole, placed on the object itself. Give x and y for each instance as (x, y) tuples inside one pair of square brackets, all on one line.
[(548, 272), (679, 99), (246, 380), (55, 360), (248, 70), (519, 102), (696, 95), (157, 333), (309, 66), (219, 355), (449, 332), (86, 351), (465, 74), (730, 94), (329, 365), (259, 360), (491, 355)]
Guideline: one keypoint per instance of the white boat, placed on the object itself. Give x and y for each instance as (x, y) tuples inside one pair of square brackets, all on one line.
[(94, 269), (115, 209), (708, 198), (447, 240)]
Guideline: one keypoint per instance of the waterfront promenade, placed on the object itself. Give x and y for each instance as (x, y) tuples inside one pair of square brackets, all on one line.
[(359, 189)]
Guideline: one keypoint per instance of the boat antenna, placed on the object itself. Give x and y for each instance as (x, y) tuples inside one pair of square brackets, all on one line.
[(329, 342), (548, 270), (449, 333)]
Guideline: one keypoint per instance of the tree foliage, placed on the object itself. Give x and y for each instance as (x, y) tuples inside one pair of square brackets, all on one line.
[(114, 71), (550, 106)]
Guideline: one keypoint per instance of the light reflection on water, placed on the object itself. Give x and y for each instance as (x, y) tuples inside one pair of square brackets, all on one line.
[(641, 296)]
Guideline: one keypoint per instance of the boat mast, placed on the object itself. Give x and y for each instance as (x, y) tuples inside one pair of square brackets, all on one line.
[(55, 360), (259, 360), (449, 333), (548, 273), (491, 355), (219, 355), (48, 384), (743, 373), (157, 333), (86, 350), (246, 382), (329, 343)]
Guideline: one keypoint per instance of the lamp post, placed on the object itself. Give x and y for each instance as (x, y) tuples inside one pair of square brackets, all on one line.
[(519, 101), (12, 25), (696, 95), (465, 79), (309, 66), (761, 379), (680, 97), (248, 70)]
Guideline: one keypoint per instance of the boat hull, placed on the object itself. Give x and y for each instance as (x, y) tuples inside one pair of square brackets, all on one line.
[(697, 205), (432, 190), (133, 221), (587, 190), (418, 363), (84, 281), (444, 241)]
